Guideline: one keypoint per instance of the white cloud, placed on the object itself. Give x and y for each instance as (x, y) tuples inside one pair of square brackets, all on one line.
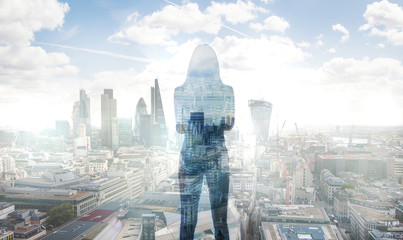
[(239, 12), (19, 19), (29, 74), (380, 45), (331, 50), (369, 90), (27, 64), (159, 27), (304, 44), (247, 54), (19, 61), (319, 42), (272, 23), (384, 19), (340, 28), (382, 71)]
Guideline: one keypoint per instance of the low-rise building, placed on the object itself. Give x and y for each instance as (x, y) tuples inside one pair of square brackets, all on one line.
[(6, 234), (5, 209), (50, 144), (368, 165), (379, 235), (46, 199), (306, 214), (242, 182), (280, 231), (29, 216), (329, 184), (363, 220), (29, 232), (134, 178), (97, 167), (53, 179), (106, 189)]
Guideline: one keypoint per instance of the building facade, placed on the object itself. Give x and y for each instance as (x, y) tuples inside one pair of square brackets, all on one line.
[(260, 112), (108, 119)]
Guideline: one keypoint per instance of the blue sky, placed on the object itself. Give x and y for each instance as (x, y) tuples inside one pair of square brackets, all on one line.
[(318, 62)]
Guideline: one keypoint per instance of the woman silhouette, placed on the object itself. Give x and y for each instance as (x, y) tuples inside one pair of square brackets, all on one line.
[(204, 109)]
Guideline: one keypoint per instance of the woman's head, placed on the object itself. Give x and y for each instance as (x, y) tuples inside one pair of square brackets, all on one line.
[(203, 64)]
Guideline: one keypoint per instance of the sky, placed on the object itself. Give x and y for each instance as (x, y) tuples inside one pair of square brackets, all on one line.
[(318, 62)]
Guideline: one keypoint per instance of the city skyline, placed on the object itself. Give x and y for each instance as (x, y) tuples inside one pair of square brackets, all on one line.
[(321, 65)]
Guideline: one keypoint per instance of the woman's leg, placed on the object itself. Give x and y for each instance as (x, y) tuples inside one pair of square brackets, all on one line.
[(218, 183), (190, 189)]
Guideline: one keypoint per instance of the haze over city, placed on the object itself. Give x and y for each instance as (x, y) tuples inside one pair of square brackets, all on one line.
[(333, 63), (184, 119)]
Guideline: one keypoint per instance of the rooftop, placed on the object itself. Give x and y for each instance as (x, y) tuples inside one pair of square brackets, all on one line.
[(38, 195), (131, 228), (303, 212), (372, 215), (348, 156), (300, 231), (25, 229)]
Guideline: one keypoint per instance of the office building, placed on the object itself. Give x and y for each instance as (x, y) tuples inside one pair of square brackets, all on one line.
[(108, 119), (52, 179), (363, 220), (242, 182), (6, 235), (63, 128), (97, 167), (277, 231), (46, 199), (260, 112), (329, 185), (82, 146), (368, 165), (125, 132), (5, 209), (76, 117), (106, 189), (134, 178), (82, 115), (141, 109), (159, 128), (151, 128), (50, 144)]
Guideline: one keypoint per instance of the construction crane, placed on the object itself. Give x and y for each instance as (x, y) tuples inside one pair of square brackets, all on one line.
[(288, 174), (279, 133), (301, 147)]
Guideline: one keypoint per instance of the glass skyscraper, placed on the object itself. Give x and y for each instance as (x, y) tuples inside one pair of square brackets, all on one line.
[(109, 131), (260, 112)]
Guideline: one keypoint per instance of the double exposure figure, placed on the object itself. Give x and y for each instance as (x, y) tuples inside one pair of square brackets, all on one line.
[(204, 109)]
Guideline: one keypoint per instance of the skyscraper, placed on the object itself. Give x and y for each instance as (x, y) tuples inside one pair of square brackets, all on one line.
[(125, 132), (108, 119), (159, 128), (260, 112), (141, 109), (84, 112), (76, 118)]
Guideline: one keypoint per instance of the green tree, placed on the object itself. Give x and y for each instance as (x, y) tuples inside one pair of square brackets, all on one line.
[(61, 214), (347, 185)]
